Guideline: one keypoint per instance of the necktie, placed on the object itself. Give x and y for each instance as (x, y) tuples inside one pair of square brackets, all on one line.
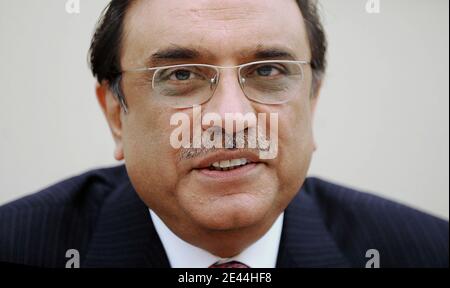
[(231, 264)]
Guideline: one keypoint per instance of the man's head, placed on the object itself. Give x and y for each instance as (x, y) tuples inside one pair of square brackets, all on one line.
[(201, 206)]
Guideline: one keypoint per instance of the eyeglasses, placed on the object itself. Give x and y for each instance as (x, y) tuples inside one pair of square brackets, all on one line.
[(268, 82)]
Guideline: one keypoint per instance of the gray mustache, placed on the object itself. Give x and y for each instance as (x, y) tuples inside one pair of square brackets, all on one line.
[(245, 140)]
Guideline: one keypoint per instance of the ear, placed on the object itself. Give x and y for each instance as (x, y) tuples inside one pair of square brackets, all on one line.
[(113, 113), (314, 99)]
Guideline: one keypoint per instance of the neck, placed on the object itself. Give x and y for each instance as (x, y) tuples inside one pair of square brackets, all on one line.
[(224, 243)]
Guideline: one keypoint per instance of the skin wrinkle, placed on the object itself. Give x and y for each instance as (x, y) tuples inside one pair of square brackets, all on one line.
[(221, 14)]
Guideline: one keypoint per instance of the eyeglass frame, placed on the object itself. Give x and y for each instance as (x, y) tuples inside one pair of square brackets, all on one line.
[(118, 91)]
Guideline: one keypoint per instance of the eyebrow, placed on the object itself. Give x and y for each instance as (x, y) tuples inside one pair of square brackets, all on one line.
[(174, 53), (184, 54), (271, 53)]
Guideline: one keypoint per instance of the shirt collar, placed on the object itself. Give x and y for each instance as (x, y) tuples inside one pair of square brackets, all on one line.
[(261, 254)]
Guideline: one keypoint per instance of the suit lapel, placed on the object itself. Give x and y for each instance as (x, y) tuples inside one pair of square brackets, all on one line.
[(305, 240), (125, 235)]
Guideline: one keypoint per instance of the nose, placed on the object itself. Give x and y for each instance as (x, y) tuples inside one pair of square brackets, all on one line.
[(230, 103)]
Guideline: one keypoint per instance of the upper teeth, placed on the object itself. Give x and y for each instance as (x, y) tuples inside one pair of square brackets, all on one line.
[(230, 163)]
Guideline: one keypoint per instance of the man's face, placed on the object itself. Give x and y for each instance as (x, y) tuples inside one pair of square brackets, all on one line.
[(224, 33)]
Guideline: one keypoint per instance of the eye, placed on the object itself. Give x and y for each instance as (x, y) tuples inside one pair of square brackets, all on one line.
[(267, 70), (181, 75)]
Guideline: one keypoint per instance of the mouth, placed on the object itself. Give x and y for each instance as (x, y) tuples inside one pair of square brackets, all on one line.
[(228, 164)]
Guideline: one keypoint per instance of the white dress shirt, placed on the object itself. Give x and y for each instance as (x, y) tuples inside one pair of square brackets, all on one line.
[(261, 254)]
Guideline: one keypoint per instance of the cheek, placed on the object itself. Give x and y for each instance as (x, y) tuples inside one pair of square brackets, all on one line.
[(296, 143), (150, 160)]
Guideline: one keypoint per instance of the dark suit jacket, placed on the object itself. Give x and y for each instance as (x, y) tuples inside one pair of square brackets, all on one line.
[(100, 215)]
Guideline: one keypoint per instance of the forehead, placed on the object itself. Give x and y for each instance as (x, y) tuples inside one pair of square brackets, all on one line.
[(224, 31)]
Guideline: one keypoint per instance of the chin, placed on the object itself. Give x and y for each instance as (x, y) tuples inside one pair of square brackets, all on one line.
[(230, 212)]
